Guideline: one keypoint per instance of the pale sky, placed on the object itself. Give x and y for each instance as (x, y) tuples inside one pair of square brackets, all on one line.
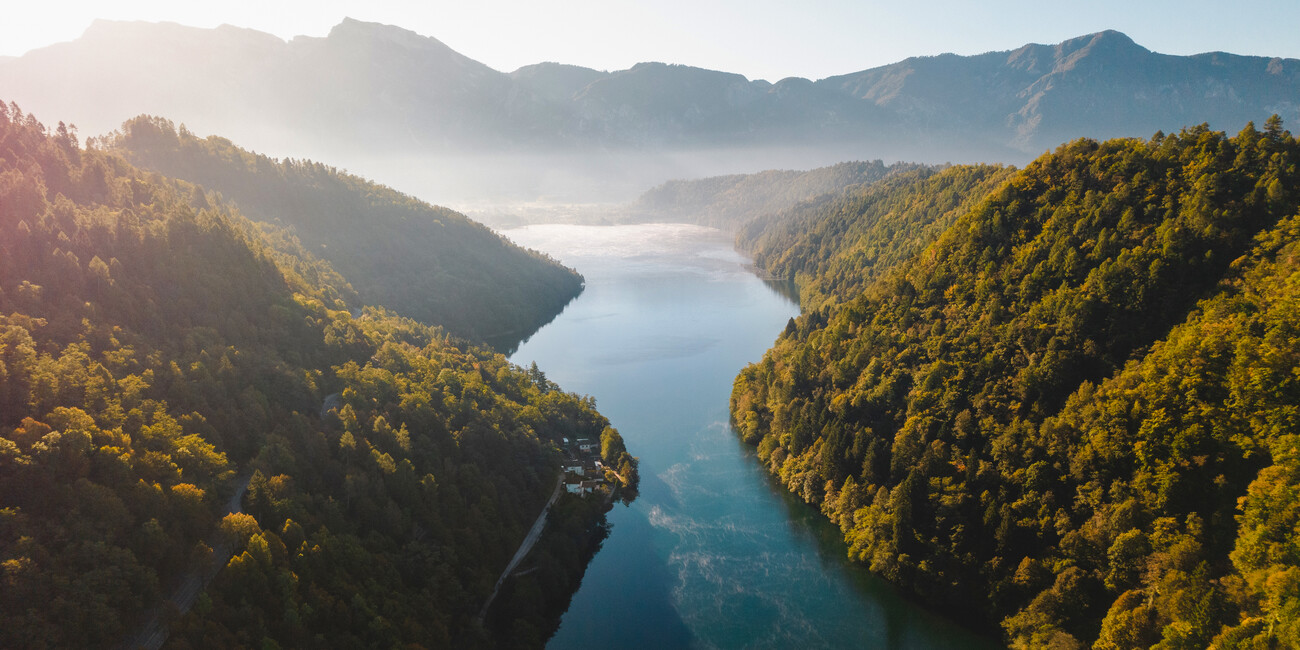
[(761, 39)]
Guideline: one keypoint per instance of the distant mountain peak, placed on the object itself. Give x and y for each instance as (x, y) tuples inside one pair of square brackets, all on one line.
[(136, 34), (556, 81), (351, 25), (380, 42), (1112, 35), (392, 87), (554, 65), (1107, 41), (649, 65), (352, 29), (679, 71), (1040, 58), (1106, 47)]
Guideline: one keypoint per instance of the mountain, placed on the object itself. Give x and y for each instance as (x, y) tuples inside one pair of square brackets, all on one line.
[(368, 93), (1101, 85), (422, 261), (160, 353), (360, 82), (730, 202), (388, 87), (556, 82), (838, 244), (1059, 400)]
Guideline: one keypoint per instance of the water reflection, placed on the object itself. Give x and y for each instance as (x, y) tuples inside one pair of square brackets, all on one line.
[(713, 554), (788, 289)]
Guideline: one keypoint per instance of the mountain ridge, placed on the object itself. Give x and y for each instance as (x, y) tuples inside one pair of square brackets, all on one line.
[(380, 90), (155, 343)]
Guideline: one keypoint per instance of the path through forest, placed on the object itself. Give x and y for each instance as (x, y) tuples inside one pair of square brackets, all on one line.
[(526, 546), (154, 632)]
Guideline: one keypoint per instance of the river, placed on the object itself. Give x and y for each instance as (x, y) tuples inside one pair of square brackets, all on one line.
[(713, 554)]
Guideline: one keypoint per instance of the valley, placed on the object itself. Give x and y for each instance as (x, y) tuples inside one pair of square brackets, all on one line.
[(353, 340), (711, 554)]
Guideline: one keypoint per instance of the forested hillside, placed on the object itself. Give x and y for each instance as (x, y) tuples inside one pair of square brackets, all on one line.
[(730, 202), (836, 244), (157, 350), (1074, 411), (422, 261)]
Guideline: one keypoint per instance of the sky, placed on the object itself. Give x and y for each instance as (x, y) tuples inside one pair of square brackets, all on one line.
[(761, 39)]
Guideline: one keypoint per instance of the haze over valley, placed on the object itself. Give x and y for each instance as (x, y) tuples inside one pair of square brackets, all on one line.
[(408, 110), (352, 340)]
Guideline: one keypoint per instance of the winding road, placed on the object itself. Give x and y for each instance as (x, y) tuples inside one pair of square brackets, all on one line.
[(527, 545), (154, 632)]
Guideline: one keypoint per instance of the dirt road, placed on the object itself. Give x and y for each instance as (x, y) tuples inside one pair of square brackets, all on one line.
[(154, 632), (527, 545)]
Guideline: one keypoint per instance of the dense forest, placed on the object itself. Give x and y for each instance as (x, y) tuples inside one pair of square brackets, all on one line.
[(1064, 399), (425, 262), (835, 245), (159, 351), (729, 202)]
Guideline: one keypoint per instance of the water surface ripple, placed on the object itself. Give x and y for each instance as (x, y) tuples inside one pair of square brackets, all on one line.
[(713, 554)]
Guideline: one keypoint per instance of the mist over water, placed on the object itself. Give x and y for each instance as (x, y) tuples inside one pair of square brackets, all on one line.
[(485, 182), (713, 554)]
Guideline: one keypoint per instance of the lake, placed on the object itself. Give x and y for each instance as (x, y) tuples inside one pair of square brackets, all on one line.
[(714, 553)]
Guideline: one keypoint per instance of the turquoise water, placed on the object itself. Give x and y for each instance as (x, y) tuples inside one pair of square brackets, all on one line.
[(713, 554)]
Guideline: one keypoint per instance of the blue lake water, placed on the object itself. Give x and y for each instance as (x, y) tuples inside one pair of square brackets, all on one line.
[(713, 554)]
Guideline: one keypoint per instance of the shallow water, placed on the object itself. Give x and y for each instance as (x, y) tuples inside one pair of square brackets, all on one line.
[(713, 554)]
